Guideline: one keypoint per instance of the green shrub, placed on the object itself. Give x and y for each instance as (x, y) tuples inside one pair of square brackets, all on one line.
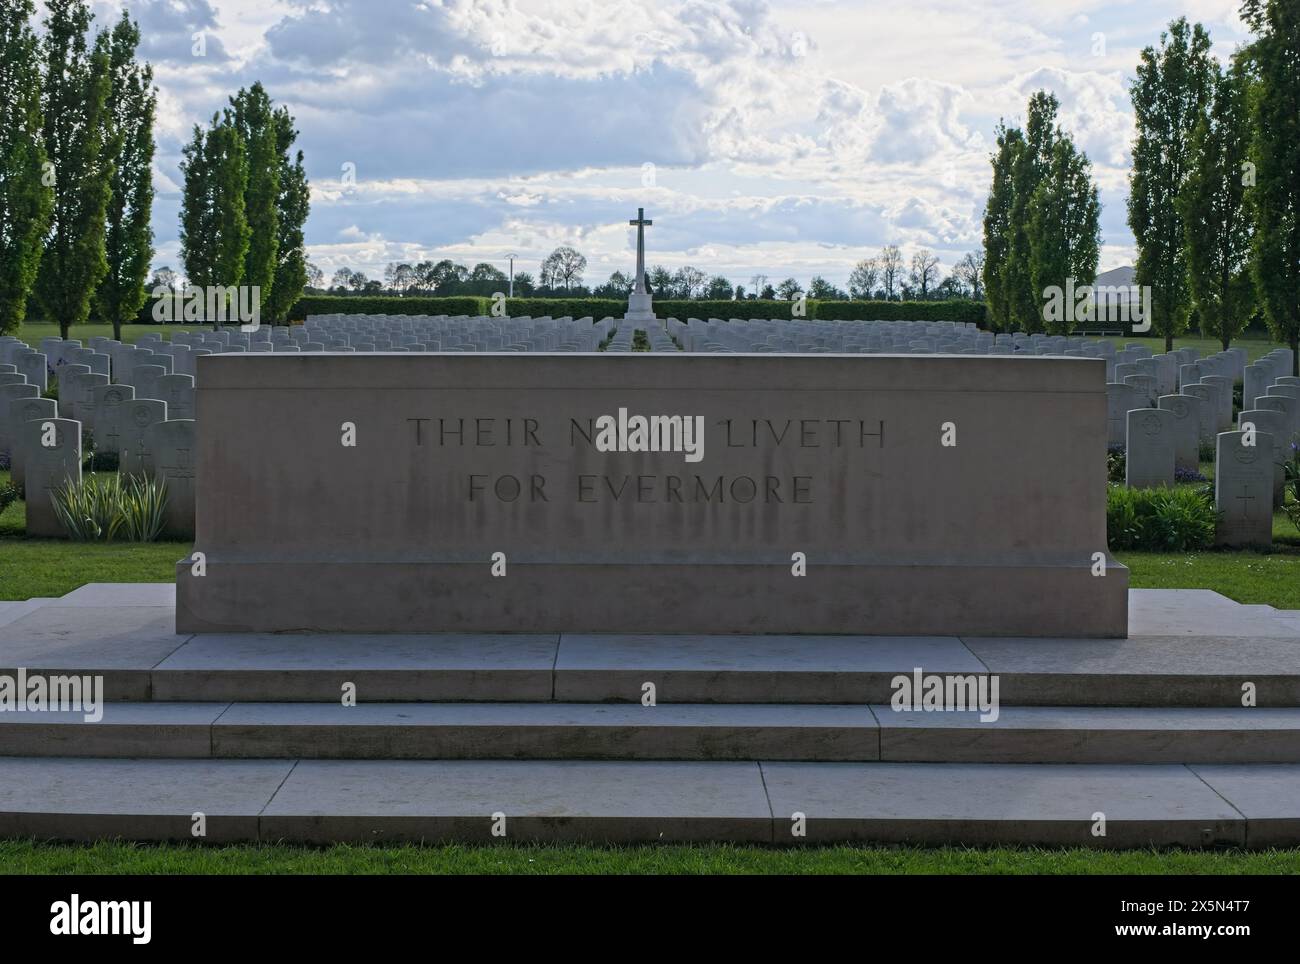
[(1291, 470), (1292, 509), (106, 507), (100, 462), (143, 502), (8, 496), (1116, 464), (88, 510), (1159, 520)]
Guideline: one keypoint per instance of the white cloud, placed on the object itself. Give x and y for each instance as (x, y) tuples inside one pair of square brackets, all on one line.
[(791, 136)]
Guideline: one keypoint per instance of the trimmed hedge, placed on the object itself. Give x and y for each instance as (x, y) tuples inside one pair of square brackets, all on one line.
[(367, 305), (383, 305), (597, 308)]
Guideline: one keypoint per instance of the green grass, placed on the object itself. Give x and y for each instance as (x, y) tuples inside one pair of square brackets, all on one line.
[(1248, 577), (1256, 347), (31, 568), (33, 331), (27, 857)]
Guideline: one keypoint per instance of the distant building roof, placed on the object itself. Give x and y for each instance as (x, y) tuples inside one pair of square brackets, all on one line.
[(1117, 276)]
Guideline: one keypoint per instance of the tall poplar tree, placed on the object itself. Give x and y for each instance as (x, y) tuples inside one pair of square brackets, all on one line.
[(1170, 97), (78, 142), (214, 231), (1030, 167), (1064, 229), (258, 126), (997, 227), (1217, 221), (25, 197), (128, 235), (1275, 199), (291, 252)]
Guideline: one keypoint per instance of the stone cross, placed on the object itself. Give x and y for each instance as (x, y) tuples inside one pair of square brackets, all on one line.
[(641, 222)]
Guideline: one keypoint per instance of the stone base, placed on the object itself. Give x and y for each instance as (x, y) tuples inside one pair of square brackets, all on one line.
[(865, 597), (640, 310)]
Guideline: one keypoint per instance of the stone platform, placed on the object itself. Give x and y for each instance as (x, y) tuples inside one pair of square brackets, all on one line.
[(748, 731)]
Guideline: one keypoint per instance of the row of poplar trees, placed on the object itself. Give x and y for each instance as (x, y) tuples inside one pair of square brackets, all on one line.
[(76, 151), (1215, 188), (76, 179), (244, 204), (1214, 201)]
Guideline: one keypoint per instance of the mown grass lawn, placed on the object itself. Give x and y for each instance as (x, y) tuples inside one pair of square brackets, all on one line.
[(27, 857), (33, 331), (1256, 347)]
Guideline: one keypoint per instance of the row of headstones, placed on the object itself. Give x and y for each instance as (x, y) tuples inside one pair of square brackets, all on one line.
[(45, 452), (1247, 481), (442, 333), (343, 332), (133, 421), (1142, 380), (101, 356), (79, 371), (1248, 472), (1202, 407), (871, 337)]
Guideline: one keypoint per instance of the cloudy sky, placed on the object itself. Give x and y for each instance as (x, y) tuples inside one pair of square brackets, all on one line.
[(783, 137)]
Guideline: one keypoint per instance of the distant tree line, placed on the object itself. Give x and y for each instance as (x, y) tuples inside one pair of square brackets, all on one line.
[(887, 277)]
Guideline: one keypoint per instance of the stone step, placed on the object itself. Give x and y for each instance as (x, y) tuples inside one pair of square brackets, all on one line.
[(13, 611), (478, 801), (1140, 671), (1190, 648), (555, 731)]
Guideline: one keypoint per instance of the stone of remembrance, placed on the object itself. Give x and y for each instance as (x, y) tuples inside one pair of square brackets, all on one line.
[(665, 493)]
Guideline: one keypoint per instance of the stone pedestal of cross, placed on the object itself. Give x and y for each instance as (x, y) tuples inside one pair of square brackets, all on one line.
[(639, 309)]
